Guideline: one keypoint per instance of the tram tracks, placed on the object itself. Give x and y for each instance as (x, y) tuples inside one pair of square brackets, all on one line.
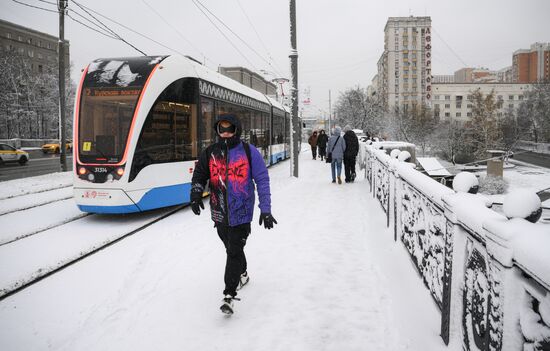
[(68, 245)]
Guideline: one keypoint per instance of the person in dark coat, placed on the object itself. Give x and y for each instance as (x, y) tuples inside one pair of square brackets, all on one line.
[(231, 171), (352, 148), (313, 142), (322, 141)]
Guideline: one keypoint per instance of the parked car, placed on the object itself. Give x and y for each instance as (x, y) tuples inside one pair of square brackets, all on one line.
[(54, 147), (10, 154)]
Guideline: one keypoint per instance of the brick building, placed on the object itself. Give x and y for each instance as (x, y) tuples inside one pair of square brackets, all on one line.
[(531, 65)]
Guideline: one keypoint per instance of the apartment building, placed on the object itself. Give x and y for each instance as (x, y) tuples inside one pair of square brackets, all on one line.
[(531, 65), (453, 101), (405, 67), (41, 49)]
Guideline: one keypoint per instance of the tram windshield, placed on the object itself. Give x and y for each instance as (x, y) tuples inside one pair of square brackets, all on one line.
[(110, 93)]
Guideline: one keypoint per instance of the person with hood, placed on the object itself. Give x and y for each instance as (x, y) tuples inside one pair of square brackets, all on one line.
[(313, 142), (336, 147), (322, 140), (232, 167), (352, 149)]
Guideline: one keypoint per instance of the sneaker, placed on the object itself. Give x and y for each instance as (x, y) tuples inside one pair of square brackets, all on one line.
[(243, 280), (227, 306), (339, 180)]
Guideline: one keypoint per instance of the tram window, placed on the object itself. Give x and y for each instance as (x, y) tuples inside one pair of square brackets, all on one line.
[(206, 127), (169, 132), (278, 130)]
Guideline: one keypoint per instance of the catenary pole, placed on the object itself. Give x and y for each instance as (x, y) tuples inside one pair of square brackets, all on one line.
[(294, 133), (61, 6)]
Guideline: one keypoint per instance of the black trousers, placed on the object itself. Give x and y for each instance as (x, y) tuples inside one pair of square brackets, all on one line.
[(322, 151), (234, 240), (314, 152), (349, 168)]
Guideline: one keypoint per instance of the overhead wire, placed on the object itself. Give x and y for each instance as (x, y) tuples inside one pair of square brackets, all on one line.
[(238, 37), (454, 53), (258, 36), (223, 34), (175, 29), (109, 29), (133, 31), (33, 6), (89, 27)]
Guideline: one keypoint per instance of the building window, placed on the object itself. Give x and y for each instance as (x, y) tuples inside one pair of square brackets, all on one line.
[(458, 114), (458, 105), (469, 97), (510, 97), (436, 106), (8, 35), (469, 114), (469, 106), (29, 41), (447, 105), (19, 38), (511, 105), (447, 114), (447, 97), (31, 53), (436, 97), (520, 97)]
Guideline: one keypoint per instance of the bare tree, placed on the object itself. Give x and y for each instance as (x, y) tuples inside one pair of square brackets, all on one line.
[(535, 111), (29, 105), (356, 108), (482, 132)]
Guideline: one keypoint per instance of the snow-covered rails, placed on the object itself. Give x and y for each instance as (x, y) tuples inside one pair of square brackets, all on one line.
[(489, 275)]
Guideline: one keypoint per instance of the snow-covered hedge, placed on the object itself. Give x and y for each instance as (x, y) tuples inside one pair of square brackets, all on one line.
[(490, 275)]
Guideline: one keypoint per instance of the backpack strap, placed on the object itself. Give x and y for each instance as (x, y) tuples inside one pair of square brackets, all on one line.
[(246, 147)]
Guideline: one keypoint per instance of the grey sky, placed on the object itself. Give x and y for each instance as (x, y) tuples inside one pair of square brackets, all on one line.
[(339, 41)]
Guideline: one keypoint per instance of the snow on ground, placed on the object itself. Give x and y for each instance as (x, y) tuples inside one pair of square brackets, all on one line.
[(31, 200), (328, 277), (17, 187)]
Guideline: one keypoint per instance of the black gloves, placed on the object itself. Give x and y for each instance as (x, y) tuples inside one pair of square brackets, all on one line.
[(196, 205), (268, 220)]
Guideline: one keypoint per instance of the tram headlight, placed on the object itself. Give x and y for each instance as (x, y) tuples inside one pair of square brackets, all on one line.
[(119, 172), (81, 171)]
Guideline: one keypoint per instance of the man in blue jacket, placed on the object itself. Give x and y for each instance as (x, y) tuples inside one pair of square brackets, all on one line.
[(230, 166)]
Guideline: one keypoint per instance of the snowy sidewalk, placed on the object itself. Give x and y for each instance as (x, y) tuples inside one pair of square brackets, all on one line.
[(328, 277)]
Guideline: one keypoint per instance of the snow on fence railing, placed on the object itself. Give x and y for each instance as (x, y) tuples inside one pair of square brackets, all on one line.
[(489, 275)]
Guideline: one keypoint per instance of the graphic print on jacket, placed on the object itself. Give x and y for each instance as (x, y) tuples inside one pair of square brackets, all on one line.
[(236, 177)]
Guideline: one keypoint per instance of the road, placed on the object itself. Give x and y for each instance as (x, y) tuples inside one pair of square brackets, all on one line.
[(38, 164), (541, 160)]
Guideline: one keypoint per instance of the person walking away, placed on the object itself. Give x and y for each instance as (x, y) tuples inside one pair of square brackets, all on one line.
[(313, 142), (322, 140), (230, 166), (352, 148), (336, 147)]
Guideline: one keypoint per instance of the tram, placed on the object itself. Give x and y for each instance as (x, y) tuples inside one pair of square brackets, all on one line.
[(140, 124)]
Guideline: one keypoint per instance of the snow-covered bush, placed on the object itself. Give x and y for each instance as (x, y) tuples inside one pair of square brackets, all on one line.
[(394, 153), (492, 185), (404, 156), (465, 182), (522, 203)]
